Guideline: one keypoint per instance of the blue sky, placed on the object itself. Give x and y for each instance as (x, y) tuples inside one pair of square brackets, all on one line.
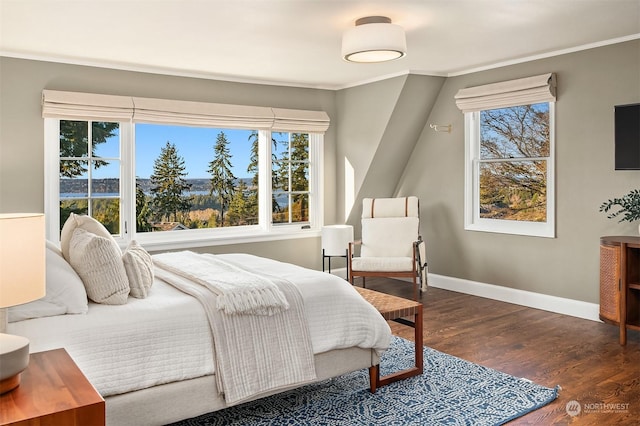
[(194, 145)]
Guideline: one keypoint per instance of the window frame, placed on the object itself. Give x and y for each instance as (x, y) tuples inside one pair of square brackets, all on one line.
[(264, 231), (290, 193), (472, 219)]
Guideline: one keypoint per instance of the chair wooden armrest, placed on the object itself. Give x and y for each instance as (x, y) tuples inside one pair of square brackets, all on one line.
[(352, 245)]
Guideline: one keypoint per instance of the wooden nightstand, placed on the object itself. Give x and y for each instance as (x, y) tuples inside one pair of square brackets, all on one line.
[(52, 391)]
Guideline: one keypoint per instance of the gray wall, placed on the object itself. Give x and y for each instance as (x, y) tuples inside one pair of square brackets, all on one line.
[(382, 130), (590, 83), (21, 129)]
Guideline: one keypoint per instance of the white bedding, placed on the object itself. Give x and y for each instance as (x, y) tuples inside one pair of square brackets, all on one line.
[(166, 338), (255, 353)]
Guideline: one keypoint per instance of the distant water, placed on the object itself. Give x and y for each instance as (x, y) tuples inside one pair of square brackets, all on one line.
[(114, 194)]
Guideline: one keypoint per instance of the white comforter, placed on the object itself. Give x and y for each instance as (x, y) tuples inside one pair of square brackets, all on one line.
[(166, 338), (264, 345)]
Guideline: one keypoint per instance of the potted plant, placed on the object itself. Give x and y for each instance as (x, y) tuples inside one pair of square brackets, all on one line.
[(629, 205)]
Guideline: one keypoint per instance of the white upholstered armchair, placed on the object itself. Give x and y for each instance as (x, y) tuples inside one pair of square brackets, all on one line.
[(391, 245)]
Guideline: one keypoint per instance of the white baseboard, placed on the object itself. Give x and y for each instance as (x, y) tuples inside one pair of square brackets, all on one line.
[(559, 305)]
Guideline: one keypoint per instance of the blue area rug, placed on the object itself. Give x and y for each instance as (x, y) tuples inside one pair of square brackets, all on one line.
[(451, 391)]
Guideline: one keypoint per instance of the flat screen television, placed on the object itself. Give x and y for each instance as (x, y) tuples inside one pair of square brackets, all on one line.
[(627, 137)]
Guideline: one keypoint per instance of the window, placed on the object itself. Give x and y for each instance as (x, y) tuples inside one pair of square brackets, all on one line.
[(210, 183), (290, 181), (509, 173), (90, 171), (195, 177)]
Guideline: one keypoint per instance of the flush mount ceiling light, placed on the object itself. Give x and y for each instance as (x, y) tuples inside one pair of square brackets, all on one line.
[(374, 39)]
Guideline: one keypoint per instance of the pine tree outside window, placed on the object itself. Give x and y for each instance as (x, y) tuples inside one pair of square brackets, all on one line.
[(201, 178), (169, 185)]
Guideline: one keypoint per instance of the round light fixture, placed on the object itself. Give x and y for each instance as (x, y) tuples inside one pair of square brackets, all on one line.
[(374, 39)]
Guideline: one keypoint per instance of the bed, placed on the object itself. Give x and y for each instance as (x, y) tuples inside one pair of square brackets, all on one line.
[(153, 359)]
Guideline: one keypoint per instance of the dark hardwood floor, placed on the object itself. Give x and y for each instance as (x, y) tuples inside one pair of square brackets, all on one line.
[(581, 356)]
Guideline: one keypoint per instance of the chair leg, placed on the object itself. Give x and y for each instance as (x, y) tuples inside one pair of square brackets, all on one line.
[(415, 289), (364, 284)]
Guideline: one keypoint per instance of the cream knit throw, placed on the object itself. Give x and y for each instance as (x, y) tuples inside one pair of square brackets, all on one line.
[(239, 291)]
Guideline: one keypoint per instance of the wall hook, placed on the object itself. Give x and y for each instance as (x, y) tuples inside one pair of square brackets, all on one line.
[(441, 127)]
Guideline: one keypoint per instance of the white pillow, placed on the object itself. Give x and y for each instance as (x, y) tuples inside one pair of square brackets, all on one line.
[(64, 286), (83, 222), (36, 309), (98, 262), (139, 267), (65, 293)]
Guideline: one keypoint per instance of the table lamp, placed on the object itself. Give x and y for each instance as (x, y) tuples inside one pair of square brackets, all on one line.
[(22, 280)]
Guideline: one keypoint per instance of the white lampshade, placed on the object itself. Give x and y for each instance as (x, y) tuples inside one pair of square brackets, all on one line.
[(22, 258), (22, 279), (374, 39), (336, 239)]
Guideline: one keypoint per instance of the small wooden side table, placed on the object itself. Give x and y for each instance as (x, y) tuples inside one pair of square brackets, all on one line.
[(394, 308), (53, 391)]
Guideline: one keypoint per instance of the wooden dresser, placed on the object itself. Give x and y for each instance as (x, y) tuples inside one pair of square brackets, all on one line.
[(620, 283)]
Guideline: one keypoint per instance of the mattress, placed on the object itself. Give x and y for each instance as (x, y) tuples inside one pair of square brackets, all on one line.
[(166, 337)]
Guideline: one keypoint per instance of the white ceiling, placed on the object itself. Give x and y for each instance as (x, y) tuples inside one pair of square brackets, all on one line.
[(297, 42)]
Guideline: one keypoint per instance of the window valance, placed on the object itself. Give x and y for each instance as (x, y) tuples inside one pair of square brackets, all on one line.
[(293, 120), (523, 91), (88, 106), (147, 110)]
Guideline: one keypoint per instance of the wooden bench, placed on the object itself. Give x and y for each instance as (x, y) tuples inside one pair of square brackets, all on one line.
[(393, 308)]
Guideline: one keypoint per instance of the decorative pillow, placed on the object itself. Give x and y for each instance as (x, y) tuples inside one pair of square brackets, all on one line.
[(98, 262), (65, 293), (83, 222), (139, 267)]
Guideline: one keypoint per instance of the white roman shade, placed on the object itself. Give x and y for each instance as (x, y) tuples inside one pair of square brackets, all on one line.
[(295, 120), (164, 111), (89, 106), (86, 106), (523, 91)]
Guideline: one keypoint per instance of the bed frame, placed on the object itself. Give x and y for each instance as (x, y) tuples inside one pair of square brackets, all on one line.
[(175, 401)]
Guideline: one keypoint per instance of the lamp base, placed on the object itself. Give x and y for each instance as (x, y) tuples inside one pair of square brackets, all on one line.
[(14, 358), (9, 384)]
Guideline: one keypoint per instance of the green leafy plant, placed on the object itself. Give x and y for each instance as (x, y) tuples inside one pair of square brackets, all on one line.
[(629, 205)]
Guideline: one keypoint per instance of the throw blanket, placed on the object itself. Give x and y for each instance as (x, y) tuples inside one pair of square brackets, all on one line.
[(238, 290), (254, 354)]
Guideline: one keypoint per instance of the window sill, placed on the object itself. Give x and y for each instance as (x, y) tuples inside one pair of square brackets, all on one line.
[(529, 229)]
